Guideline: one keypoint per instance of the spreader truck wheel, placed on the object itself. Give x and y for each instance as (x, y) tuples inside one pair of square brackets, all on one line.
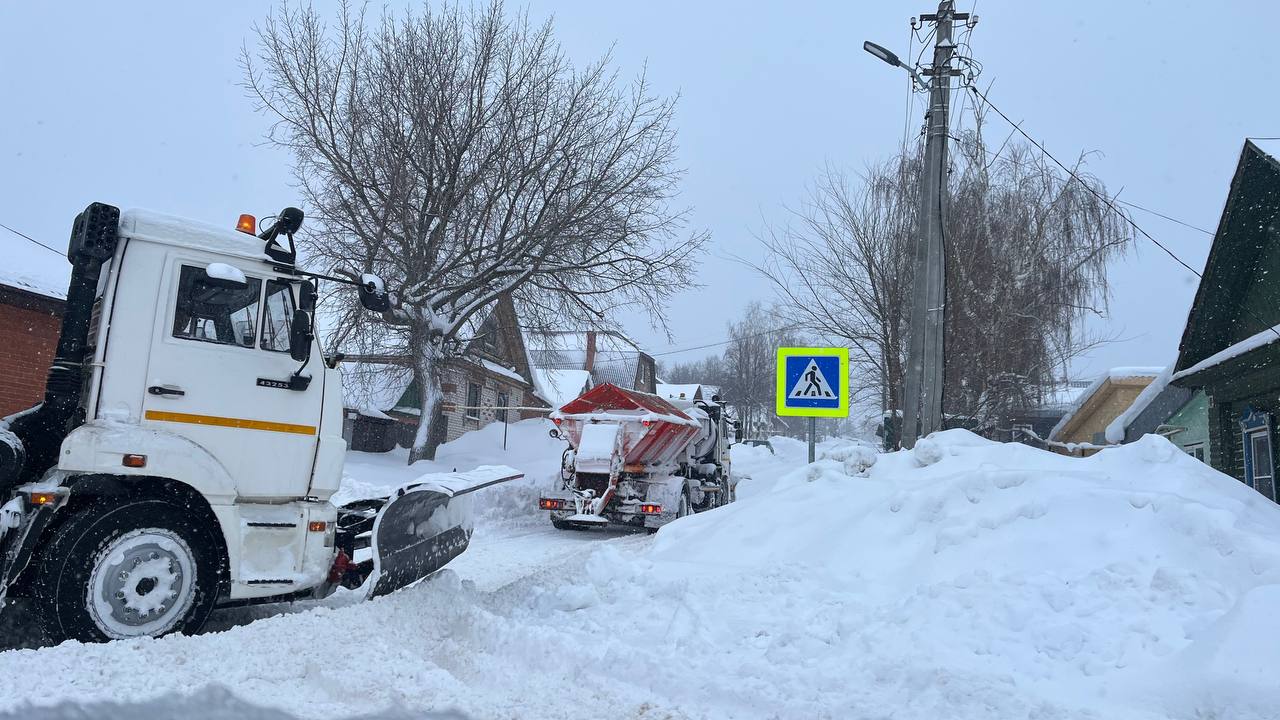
[(137, 569)]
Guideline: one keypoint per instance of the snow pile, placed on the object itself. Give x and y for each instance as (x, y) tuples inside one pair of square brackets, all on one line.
[(962, 580), (990, 581)]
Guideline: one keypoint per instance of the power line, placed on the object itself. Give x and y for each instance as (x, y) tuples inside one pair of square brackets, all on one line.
[(1107, 201), (996, 156), (28, 237)]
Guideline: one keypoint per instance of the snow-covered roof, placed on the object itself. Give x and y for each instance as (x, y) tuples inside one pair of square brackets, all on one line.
[(559, 386), (1253, 342), (373, 388), (688, 391), (1116, 374), (1269, 146), (499, 369), (1115, 429), (38, 283)]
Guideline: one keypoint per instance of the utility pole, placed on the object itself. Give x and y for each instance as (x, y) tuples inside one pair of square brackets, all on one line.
[(922, 396)]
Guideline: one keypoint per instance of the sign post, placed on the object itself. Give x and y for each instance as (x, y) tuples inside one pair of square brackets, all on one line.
[(812, 383)]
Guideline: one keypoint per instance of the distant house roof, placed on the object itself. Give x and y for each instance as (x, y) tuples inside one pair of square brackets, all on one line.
[(1235, 313), (557, 386), (37, 285), (373, 388), (1097, 393), (688, 391), (617, 357), (1153, 406)]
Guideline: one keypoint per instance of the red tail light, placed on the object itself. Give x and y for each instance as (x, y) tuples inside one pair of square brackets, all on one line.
[(551, 504), (557, 421), (650, 509)]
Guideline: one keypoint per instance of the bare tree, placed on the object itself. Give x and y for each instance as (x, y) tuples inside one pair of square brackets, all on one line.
[(1027, 251), (749, 362), (457, 153), (842, 268), (744, 371)]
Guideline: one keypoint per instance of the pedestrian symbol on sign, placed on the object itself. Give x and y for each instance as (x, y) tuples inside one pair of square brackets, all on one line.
[(812, 384)]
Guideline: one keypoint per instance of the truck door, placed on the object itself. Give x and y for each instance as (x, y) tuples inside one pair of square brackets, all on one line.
[(217, 374)]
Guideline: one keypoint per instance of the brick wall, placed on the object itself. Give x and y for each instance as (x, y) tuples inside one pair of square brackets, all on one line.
[(29, 326)]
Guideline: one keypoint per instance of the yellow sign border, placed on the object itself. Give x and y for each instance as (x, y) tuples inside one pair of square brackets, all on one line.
[(780, 372)]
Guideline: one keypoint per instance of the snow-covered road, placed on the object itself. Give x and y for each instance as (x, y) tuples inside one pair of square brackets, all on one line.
[(965, 580)]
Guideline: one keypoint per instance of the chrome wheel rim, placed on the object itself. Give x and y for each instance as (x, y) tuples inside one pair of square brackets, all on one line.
[(142, 584)]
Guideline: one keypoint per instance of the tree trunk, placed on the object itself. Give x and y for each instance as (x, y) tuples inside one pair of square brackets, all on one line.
[(426, 373)]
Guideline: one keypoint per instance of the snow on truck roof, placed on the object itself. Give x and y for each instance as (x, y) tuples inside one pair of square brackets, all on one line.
[(173, 230)]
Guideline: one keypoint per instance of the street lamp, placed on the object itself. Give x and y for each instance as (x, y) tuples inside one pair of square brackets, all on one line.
[(887, 55)]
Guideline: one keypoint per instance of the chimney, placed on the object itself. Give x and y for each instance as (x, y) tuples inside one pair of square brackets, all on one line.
[(590, 364)]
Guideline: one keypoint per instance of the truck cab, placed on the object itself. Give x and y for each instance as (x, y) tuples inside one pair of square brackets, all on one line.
[(189, 396)]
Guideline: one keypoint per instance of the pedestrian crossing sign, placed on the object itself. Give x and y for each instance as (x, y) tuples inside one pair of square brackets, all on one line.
[(813, 382)]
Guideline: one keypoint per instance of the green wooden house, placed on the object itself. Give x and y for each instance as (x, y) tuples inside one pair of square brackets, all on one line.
[(1230, 348)]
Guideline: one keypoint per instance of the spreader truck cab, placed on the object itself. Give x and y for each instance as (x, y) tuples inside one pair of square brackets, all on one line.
[(190, 440), (638, 460)]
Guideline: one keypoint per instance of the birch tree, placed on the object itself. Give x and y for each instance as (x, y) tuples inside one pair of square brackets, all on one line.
[(458, 153)]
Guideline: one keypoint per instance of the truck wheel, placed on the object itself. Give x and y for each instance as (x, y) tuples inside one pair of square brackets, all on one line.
[(686, 506), (138, 569)]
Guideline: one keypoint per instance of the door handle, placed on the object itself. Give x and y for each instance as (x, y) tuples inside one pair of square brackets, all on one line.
[(166, 390)]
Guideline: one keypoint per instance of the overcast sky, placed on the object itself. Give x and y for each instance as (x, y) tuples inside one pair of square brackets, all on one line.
[(138, 104)]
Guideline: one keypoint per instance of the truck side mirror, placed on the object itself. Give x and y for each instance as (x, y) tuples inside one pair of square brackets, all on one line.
[(737, 430), (307, 296), (373, 294), (300, 335), (222, 275)]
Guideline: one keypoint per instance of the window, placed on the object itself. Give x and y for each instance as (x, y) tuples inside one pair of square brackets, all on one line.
[(1196, 451), (503, 401), (214, 313), (473, 401), (277, 316), (1260, 445)]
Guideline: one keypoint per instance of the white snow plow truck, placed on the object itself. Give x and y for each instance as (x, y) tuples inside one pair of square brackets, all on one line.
[(190, 439), (638, 460)]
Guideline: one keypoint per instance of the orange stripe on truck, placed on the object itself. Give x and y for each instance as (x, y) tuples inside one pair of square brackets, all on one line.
[(241, 423)]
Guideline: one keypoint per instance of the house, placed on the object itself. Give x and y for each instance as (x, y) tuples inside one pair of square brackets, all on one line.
[(1162, 408), (687, 391), (1230, 349), (606, 356), (30, 322), (490, 375), (501, 366), (1082, 430)]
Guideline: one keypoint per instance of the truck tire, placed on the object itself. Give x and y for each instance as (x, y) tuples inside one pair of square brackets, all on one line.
[(138, 568), (685, 507)]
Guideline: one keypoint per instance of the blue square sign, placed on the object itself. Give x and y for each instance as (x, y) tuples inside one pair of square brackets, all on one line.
[(811, 382)]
